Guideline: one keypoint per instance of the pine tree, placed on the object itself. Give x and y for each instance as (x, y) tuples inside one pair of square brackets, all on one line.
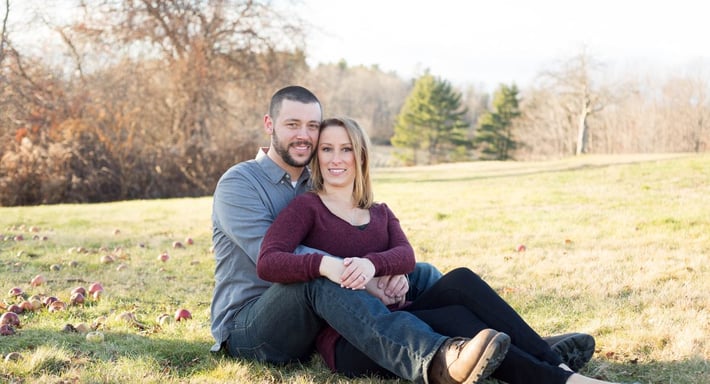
[(431, 119), (494, 135)]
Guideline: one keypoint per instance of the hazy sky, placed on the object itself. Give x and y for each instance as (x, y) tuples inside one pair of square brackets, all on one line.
[(503, 41), (486, 43)]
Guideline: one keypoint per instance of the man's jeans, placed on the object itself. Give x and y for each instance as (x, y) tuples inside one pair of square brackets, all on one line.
[(282, 324), (422, 278)]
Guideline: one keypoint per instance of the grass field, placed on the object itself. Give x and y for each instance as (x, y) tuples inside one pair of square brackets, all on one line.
[(615, 246)]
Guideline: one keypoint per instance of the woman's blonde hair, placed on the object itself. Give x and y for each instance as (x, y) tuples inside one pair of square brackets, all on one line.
[(362, 188)]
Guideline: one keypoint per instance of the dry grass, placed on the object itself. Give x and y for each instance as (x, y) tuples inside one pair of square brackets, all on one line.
[(615, 246)]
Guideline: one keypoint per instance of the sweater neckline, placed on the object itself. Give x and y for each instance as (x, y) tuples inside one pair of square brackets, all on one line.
[(356, 226)]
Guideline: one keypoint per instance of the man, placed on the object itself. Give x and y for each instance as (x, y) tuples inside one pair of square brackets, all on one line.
[(278, 323)]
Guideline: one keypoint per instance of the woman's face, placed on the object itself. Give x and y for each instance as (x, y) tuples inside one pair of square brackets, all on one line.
[(335, 157)]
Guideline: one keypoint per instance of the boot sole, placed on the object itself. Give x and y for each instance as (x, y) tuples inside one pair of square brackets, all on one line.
[(575, 350), (490, 359)]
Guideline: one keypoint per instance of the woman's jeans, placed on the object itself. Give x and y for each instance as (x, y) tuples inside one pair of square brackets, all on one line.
[(282, 324)]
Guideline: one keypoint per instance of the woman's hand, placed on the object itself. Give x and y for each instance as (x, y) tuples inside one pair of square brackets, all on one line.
[(332, 268), (358, 272)]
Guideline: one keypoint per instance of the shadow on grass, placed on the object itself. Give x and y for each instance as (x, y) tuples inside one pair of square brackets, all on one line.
[(176, 356), (182, 359), (688, 371)]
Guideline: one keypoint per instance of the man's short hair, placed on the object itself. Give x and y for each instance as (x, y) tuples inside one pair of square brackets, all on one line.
[(293, 93)]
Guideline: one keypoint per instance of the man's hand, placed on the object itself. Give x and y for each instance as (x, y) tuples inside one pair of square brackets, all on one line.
[(394, 285), (397, 285), (373, 289)]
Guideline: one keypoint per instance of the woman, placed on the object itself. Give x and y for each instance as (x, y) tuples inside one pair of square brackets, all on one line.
[(342, 198)]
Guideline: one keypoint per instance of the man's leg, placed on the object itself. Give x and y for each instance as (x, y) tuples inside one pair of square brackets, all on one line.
[(575, 349), (422, 278), (279, 327), (353, 363), (450, 321), (398, 341)]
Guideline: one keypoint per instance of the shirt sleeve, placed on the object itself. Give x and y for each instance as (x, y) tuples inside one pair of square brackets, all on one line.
[(398, 258), (243, 215), (277, 261)]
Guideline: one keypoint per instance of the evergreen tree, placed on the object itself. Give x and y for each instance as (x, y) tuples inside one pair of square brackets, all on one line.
[(494, 134), (432, 119)]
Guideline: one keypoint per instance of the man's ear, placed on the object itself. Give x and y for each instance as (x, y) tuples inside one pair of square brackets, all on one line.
[(268, 125)]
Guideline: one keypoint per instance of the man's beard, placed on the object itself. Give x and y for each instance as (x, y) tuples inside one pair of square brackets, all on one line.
[(285, 155)]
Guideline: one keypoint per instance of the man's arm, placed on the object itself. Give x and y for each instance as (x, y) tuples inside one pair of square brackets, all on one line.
[(241, 212)]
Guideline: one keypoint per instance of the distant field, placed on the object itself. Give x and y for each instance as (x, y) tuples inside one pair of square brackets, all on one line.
[(616, 246)]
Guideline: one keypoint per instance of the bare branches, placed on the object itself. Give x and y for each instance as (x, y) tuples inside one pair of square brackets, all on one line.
[(75, 53), (3, 31), (573, 84), (168, 95)]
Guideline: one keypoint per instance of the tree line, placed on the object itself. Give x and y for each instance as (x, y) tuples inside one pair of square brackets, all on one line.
[(139, 99)]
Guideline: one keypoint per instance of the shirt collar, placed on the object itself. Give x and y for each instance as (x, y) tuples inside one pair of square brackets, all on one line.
[(273, 171)]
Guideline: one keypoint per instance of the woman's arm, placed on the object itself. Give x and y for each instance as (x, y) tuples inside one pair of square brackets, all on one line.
[(398, 258), (277, 262)]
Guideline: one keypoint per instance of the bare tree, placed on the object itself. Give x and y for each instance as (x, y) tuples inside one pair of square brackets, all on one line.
[(687, 105), (544, 128), (573, 82), (161, 98), (212, 62)]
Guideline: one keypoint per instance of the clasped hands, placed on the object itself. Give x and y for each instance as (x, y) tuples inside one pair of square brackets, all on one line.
[(359, 273)]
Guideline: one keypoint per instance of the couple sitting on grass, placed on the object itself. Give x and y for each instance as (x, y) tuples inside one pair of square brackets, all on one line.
[(332, 270)]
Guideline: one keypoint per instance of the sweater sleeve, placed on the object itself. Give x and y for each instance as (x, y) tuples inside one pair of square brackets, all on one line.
[(277, 261), (398, 258)]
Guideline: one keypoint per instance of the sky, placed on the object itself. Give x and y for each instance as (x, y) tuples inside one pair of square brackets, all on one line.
[(486, 43)]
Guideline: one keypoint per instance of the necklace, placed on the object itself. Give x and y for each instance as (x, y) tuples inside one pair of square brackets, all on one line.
[(353, 215), (348, 212)]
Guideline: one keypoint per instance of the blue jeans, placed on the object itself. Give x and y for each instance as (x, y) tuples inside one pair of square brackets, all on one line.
[(282, 324), (423, 277)]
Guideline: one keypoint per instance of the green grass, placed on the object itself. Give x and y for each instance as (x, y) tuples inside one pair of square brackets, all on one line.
[(616, 246)]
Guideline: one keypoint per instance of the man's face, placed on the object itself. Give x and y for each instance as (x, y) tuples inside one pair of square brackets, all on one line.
[(295, 132)]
